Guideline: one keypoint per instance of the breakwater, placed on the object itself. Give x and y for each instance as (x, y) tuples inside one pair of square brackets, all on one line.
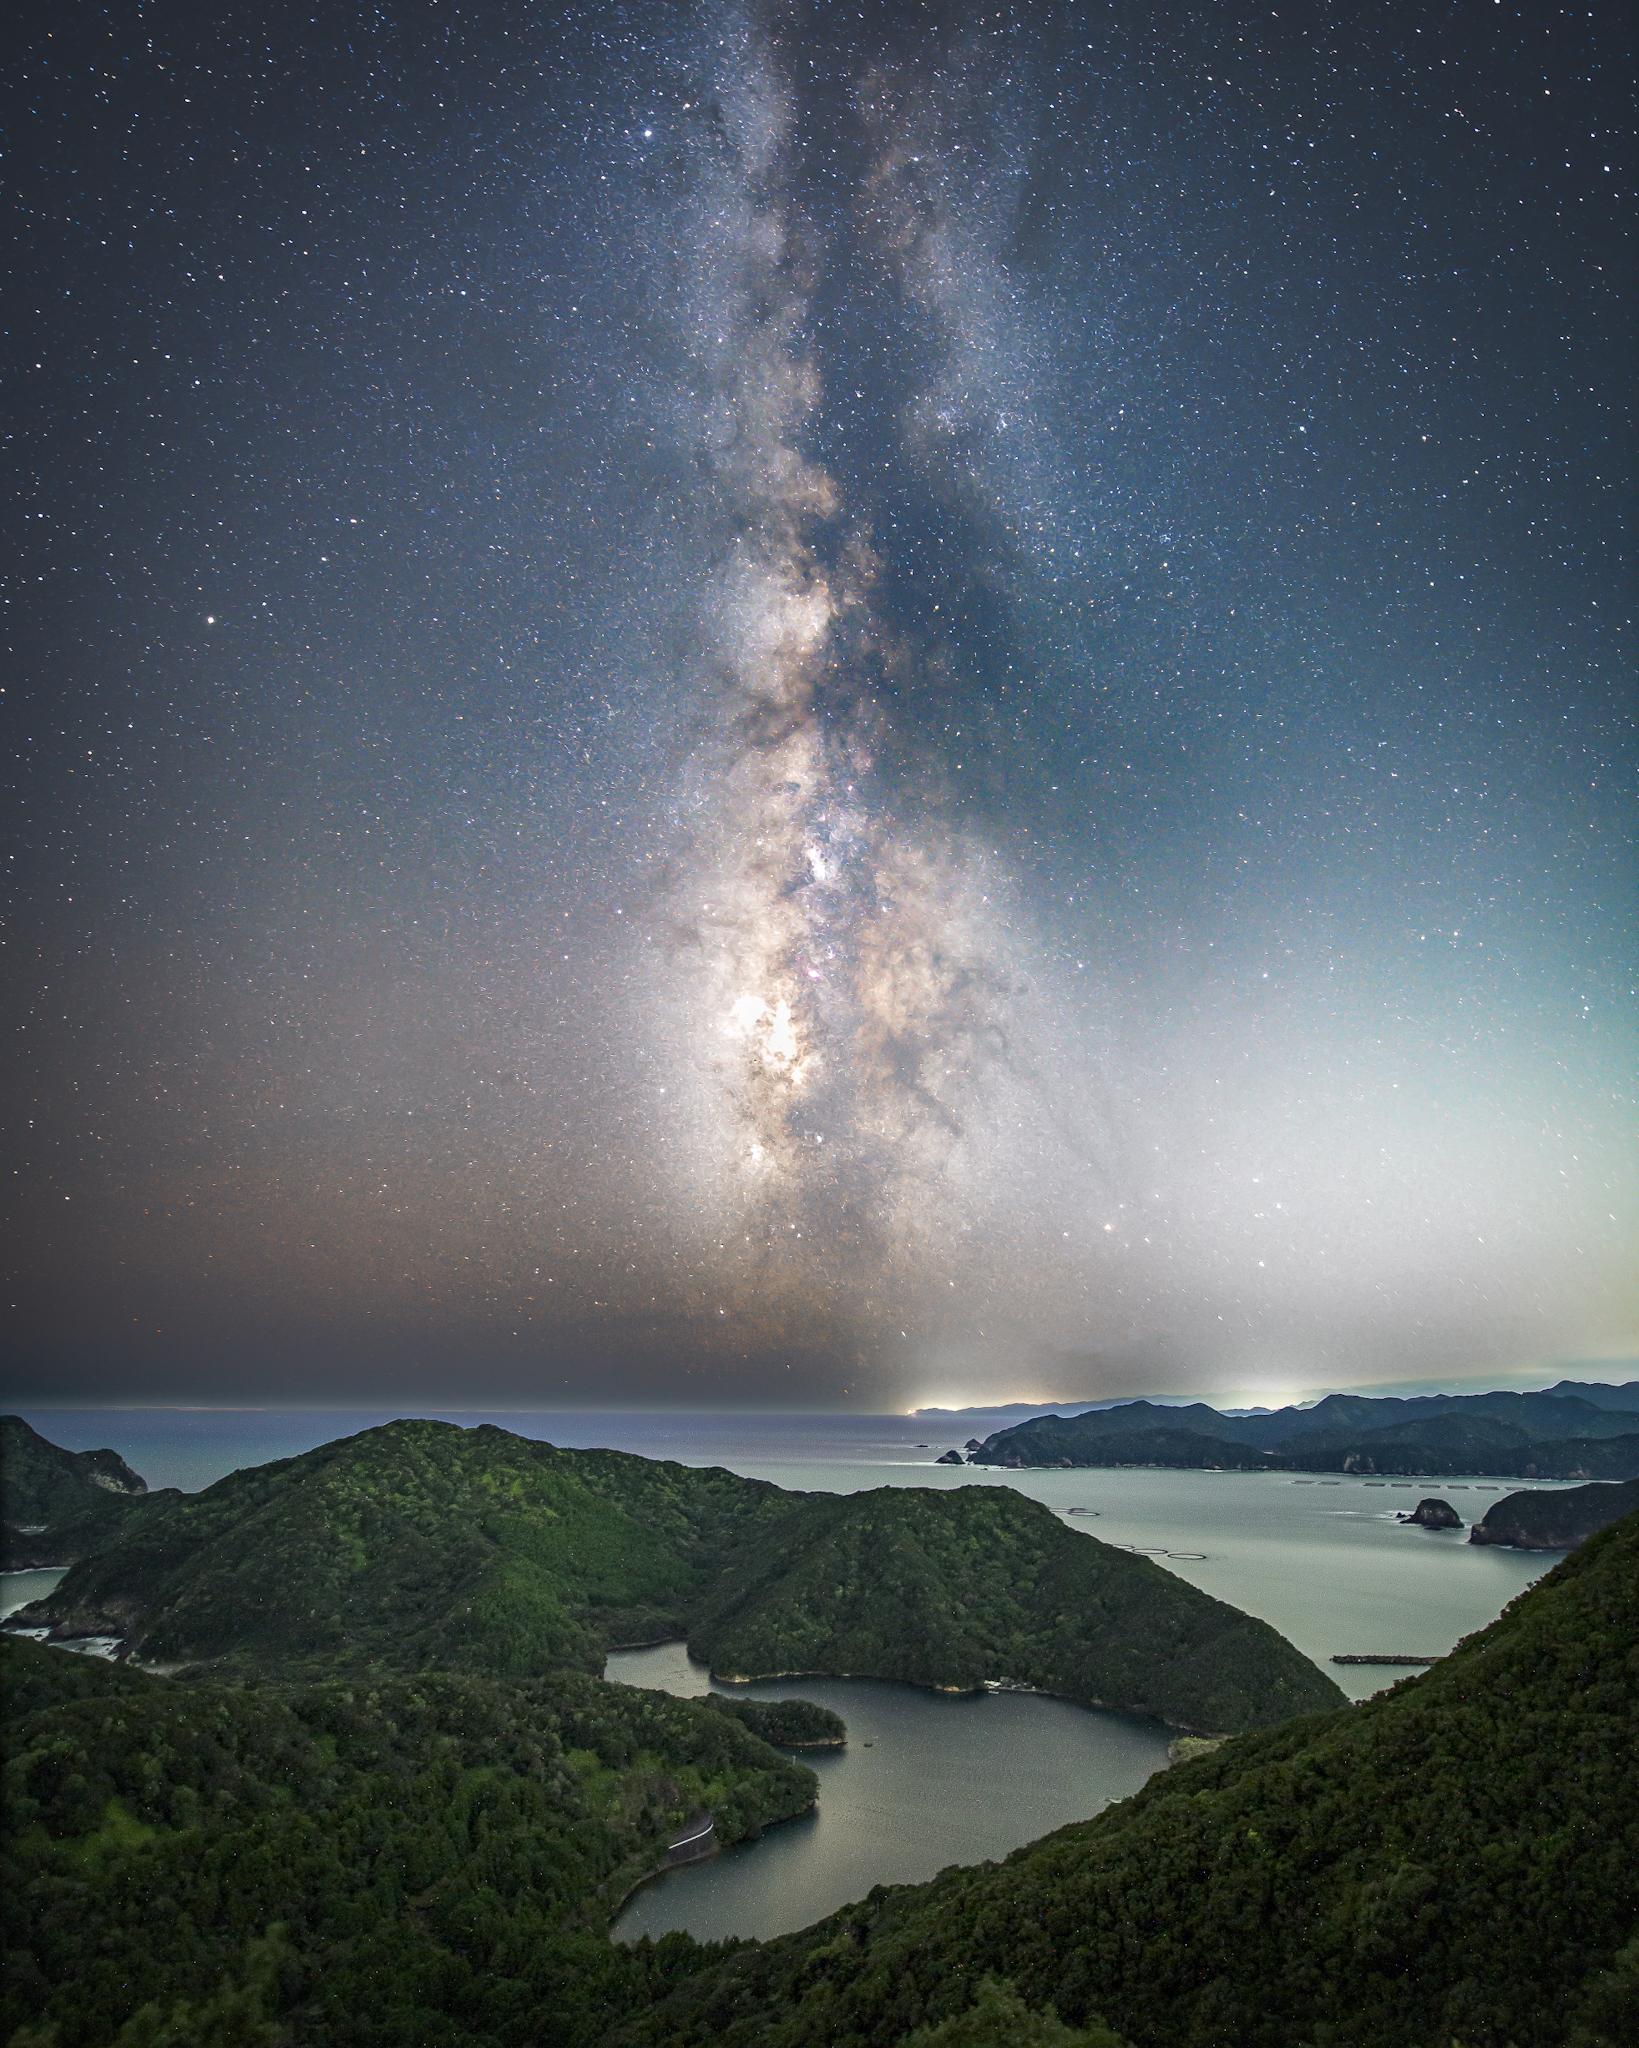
[(1371, 1657)]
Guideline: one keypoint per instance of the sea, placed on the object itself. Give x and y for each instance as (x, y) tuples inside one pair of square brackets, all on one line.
[(927, 1780)]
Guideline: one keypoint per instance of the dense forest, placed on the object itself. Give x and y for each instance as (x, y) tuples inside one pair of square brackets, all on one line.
[(788, 1724), (389, 1802), (950, 1589), (428, 1860), (432, 1859), (421, 1546), (1454, 1861)]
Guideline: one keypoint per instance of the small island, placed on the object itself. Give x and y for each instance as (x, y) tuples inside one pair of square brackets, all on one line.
[(1433, 1514)]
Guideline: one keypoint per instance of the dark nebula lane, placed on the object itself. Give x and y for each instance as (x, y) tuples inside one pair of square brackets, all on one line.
[(804, 704)]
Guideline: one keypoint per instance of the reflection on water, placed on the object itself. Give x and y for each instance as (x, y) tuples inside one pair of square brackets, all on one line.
[(926, 1780)]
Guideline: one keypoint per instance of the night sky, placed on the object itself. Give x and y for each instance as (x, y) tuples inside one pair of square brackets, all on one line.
[(816, 703)]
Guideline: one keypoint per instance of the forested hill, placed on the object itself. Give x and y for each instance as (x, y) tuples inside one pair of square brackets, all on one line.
[(1554, 1521), (422, 1545), (45, 1489), (41, 1482), (949, 1589), (427, 1860), (430, 1857), (1455, 1861)]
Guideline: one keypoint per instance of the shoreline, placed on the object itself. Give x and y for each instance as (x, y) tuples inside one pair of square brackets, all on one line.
[(718, 1848), (984, 1688)]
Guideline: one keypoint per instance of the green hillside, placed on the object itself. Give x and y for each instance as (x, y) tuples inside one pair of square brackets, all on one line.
[(787, 1724), (429, 1860), (949, 1589), (428, 1857), (57, 1505), (421, 1545), (41, 1482), (1454, 1862), (416, 1545)]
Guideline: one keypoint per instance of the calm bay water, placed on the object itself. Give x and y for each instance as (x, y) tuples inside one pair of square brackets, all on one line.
[(927, 1781), (1322, 1561), (924, 1781)]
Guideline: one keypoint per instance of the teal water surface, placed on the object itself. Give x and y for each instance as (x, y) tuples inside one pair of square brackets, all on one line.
[(928, 1780), (1321, 1559), (925, 1780)]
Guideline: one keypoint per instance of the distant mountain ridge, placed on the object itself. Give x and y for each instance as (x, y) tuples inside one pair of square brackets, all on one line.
[(1554, 1434), (1601, 1393), (1054, 1407)]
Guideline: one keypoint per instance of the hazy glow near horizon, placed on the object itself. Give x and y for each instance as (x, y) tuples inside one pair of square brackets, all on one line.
[(809, 704)]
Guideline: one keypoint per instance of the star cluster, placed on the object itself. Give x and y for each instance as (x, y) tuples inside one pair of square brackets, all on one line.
[(817, 702)]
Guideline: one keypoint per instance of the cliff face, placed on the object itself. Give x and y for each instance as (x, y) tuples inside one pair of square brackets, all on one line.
[(57, 1506), (1532, 1520), (41, 1482)]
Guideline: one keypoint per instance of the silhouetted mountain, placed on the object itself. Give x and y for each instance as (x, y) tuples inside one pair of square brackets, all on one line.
[(1624, 1396), (1491, 1432), (1056, 1441), (1450, 1444)]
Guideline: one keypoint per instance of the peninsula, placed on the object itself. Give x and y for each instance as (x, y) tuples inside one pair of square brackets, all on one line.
[(421, 1545)]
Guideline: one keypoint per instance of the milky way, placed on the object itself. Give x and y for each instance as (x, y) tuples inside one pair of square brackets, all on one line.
[(851, 981), (784, 704)]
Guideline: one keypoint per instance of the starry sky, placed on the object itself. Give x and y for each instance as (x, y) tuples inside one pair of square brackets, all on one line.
[(816, 704)]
